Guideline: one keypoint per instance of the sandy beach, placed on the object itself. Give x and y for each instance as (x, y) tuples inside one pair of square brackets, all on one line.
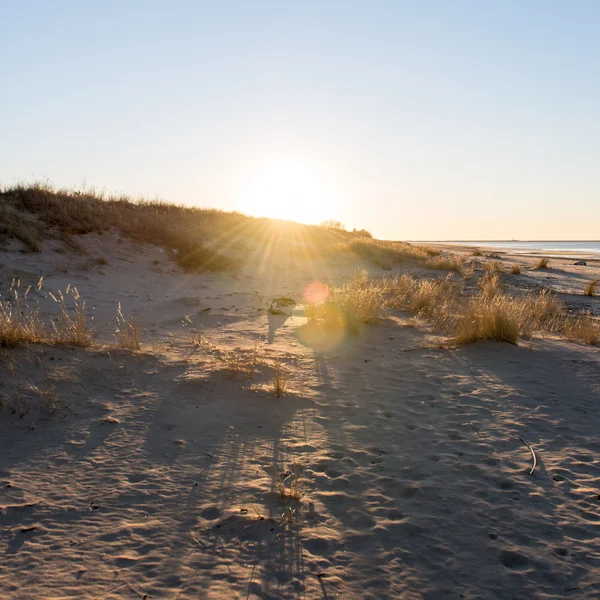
[(395, 464)]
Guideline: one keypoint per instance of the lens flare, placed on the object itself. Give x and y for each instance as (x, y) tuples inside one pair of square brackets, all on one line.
[(316, 293)]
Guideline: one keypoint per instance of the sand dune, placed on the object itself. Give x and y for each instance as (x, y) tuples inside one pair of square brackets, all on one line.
[(153, 474)]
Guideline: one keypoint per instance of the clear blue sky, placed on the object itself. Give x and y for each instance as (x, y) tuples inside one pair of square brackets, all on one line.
[(417, 120)]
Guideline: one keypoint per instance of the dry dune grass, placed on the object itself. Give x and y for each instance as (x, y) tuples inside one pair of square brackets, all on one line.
[(198, 239), (515, 269), (498, 316), (280, 381), (543, 263), (446, 263), (435, 300), (360, 300), (21, 323), (493, 266), (128, 331), (386, 254), (584, 328), (491, 314), (590, 288)]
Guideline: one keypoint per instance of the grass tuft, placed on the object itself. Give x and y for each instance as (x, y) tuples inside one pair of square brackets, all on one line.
[(128, 331), (279, 381), (590, 288), (515, 269), (543, 263), (71, 327)]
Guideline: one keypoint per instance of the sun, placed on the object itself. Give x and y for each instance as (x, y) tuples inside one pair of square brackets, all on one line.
[(289, 190)]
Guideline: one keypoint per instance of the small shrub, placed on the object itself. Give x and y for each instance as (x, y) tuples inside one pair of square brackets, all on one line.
[(477, 252), (590, 288), (515, 269), (543, 263)]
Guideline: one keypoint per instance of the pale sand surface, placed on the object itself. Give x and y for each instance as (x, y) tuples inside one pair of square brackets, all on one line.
[(154, 478)]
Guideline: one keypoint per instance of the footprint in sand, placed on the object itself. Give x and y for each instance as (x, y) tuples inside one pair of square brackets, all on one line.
[(513, 560), (211, 513)]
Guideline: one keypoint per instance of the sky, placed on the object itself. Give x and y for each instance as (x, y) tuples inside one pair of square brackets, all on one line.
[(424, 120)]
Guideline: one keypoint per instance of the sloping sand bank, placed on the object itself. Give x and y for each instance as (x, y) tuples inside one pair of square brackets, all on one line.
[(154, 474)]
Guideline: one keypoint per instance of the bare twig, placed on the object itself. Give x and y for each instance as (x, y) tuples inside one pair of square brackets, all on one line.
[(532, 454)]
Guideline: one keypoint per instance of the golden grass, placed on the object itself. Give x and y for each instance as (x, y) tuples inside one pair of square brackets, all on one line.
[(515, 269), (21, 323), (358, 301), (590, 288), (498, 316), (453, 262), (71, 327), (280, 381), (490, 284), (543, 263), (128, 332), (493, 266), (583, 328), (435, 300), (289, 483)]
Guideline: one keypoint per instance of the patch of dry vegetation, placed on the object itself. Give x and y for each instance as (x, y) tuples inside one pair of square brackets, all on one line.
[(515, 269), (386, 254), (583, 328), (280, 381), (590, 288), (543, 263), (490, 314), (493, 315), (434, 300), (452, 262), (35, 212), (128, 332), (21, 323), (358, 301), (493, 266)]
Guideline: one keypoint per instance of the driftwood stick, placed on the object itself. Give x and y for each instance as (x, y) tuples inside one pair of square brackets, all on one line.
[(532, 454)]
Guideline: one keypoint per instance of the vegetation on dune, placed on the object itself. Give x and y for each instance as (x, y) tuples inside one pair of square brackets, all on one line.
[(489, 314), (453, 262), (21, 323), (198, 239)]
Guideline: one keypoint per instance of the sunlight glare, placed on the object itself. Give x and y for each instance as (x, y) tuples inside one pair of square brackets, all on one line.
[(289, 190)]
